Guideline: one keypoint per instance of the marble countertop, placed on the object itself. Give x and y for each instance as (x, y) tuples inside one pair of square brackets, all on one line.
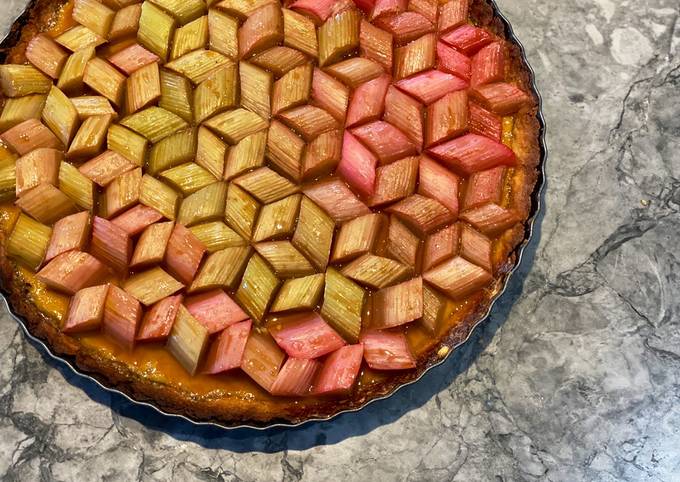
[(575, 377)]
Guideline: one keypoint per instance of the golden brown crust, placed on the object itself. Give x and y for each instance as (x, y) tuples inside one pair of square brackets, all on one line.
[(234, 411)]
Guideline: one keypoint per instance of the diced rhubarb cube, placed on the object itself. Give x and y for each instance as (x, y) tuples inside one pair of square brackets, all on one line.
[(405, 113), (468, 38), (106, 167), (398, 304), (488, 65), (263, 29), (334, 197), (135, 220), (151, 246), (406, 26), (386, 141), (384, 350), (476, 248), (322, 154), (262, 359), (483, 122), (450, 60), (501, 98), (46, 204), (387, 7), (340, 370), (187, 340), (305, 335), (215, 310), (375, 44), (40, 166), (122, 314), (152, 285), (157, 322), (295, 378), (457, 277), (452, 14), (110, 244), (472, 153), (46, 55), (394, 181), (121, 193), (439, 183), (69, 233), (183, 254), (484, 187), (422, 214), (29, 135), (355, 71), (133, 58), (491, 218), (440, 246), (431, 85), (357, 165), (226, 352), (447, 117), (330, 94), (86, 310), (318, 10), (72, 271), (427, 8), (402, 244), (368, 101)]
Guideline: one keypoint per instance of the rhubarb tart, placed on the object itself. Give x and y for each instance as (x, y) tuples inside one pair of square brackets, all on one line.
[(254, 211)]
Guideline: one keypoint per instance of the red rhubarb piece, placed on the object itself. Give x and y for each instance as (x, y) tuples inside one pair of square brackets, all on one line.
[(405, 113), (334, 197), (215, 310), (305, 335), (452, 14), (357, 165), (488, 65), (484, 187), (29, 135), (385, 350), (318, 10), (226, 352), (110, 244), (133, 58), (457, 277), (406, 26), (86, 310), (422, 214), (398, 304), (136, 219), (183, 254), (440, 246), (447, 117), (475, 247), (40, 166), (483, 122), (501, 98), (70, 232), (365, 5), (431, 85), (491, 219), (122, 313), (262, 359), (340, 370), (450, 60), (437, 182), (467, 38), (368, 101), (72, 271), (472, 152), (386, 141), (387, 7), (158, 321), (106, 167), (295, 378)]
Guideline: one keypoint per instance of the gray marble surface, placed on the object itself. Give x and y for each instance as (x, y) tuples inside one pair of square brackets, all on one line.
[(575, 377)]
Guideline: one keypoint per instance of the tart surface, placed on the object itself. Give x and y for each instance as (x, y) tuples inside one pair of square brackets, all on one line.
[(256, 212)]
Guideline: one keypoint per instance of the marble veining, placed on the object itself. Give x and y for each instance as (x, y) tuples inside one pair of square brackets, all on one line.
[(575, 377)]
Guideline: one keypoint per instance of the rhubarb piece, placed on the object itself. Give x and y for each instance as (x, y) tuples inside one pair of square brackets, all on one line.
[(183, 10), (440, 246), (450, 60), (266, 185), (150, 248), (427, 8), (299, 33), (277, 220), (385, 350), (40, 166), (46, 55), (46, 203), (159, 196), (28, 241), (156, 29), (222, 269), (339, 372), (309, 121), (279, 60), (406, 27), (104, 79), (329, 94), (151, 286), (387, 7), (127, 143), (241, 9), (154, 123), (215, 310), (447, 117), (501, 98), (299, 294), (20, 80), (287, 261), (126, 22), (263, 29), (223, 33), (295, 378), (472, 152), (183, 254), (93, 15), (241, 211), (452, 14), (258, 287), (368, 101), (69, 233), (319, 11), (60, 115), (305, 335), (484, 187), (76, 186), (476, 248), (206, 204), (194, 35), (338, 36), (236, 124), (483, 122), (143, 88), (110, 244), (431, 85), (336, 199), (217, 236), (106, 167), (357, 165), (399, 304), (8, 177), (226, 352), (262, 359), (93, 105), (285, 150), (436, 309), (467, 38), (458, 277), (176, 95), (322, 154), (385, 141), (172, 151), (488, 65), (423, 215), (314, 233), (216, 93), (20, 109), (79, 37), (89, 140), (439, 183), (135, 220), (256, 86), (198, 65), (375, 271), (122, 193), (72, 271), (406, 114), (247, 154), (29, 135), (343, 305), (210, 152), (402, 244), (355, 71), (394, 182), (86, 310), (357, 236), (491, 219), (122, 314), (188, 340), (376, 44), (133, 58), (158, 321), (188, 178)]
